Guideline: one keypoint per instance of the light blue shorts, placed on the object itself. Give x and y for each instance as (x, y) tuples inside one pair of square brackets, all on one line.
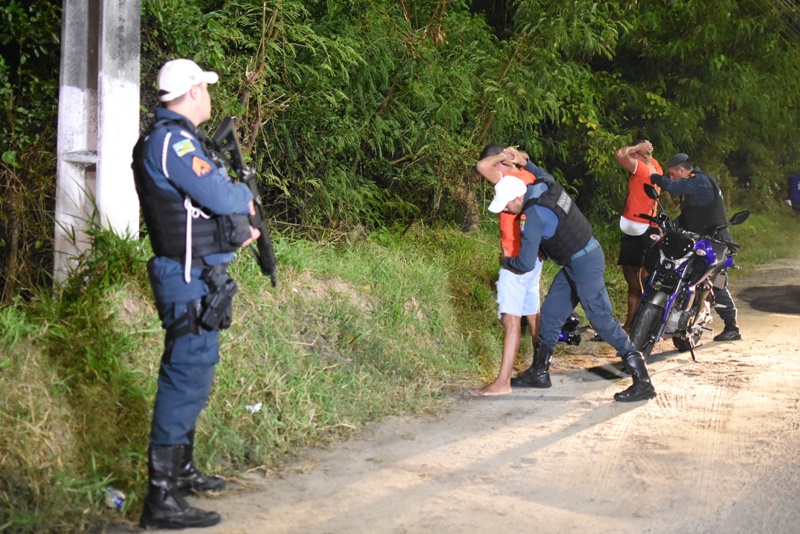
[(518, 294)]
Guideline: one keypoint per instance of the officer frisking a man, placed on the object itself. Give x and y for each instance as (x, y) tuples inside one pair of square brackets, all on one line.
[(554, 225), (196, 218)]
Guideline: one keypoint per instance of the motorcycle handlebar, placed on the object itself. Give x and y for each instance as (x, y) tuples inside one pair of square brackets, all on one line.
[(663, 222), (731, 245)]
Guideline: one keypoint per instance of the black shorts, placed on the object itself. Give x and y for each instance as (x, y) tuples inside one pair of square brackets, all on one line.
[(633, 249)]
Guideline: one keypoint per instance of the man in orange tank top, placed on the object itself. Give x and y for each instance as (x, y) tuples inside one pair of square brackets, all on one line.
[(638, 160), (517, 294)]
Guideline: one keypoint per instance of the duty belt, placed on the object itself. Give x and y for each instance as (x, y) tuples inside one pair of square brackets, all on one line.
[(593, 244)]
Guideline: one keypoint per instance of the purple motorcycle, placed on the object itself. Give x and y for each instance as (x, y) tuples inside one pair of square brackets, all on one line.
[(684, 268)]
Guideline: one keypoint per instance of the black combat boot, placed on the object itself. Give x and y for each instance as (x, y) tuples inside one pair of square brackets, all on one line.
[(537, 375), (164, 506), (190, 479), (641, 389), (730, 333)]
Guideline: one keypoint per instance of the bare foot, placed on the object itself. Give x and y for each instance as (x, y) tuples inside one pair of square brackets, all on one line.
[(492, 390)]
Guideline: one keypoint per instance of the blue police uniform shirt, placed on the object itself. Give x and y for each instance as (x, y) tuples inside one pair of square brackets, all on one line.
[(698, 189), (539, 223), (177, 162), (540, 174)]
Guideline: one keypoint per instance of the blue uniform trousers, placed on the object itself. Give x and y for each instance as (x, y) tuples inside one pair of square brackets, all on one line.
[(723, 301), (188, 362), (582, 281)]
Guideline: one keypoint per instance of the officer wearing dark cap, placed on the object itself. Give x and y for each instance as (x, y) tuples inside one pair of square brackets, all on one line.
[(702, 210), (196, 219)]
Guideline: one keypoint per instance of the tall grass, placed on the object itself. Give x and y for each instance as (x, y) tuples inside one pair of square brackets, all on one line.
[(765, 236), (349, 336)]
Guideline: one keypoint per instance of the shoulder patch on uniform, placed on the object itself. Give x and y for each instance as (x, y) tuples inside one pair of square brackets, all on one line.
[(200, 166), (183, 147)]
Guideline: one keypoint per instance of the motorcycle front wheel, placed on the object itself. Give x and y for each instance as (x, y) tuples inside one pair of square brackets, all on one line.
[(683, 344), (645, 327), (692, 324)]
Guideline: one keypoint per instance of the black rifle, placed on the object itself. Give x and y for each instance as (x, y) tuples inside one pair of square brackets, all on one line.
[(226, 142)]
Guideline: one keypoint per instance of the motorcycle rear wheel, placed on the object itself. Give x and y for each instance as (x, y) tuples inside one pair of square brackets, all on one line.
[(645, 327)]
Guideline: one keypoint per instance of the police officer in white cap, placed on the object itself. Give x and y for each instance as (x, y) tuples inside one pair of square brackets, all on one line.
[(196, 219)]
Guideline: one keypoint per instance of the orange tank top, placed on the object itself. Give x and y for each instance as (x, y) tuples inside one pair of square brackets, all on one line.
[(510, 238), (638, 201)]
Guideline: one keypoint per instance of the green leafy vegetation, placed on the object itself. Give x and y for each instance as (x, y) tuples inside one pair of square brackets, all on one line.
[(371, 113), (29, 56)]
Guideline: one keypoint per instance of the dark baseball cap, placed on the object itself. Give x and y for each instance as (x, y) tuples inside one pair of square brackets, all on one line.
[(677, 159)]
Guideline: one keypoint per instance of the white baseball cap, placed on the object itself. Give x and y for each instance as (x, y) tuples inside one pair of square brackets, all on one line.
[(506, 190), (176, 77)]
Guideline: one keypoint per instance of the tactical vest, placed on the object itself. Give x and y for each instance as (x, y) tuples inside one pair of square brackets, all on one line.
[(573, 231), (165, 214), (702, 219)]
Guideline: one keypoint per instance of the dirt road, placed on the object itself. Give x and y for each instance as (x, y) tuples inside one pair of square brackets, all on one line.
[(716, 451)]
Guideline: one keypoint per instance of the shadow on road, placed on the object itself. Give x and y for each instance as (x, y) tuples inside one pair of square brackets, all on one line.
[(773, 299)]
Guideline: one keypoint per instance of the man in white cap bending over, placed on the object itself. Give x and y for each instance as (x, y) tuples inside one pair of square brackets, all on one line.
[(196, 219), (554, 227)]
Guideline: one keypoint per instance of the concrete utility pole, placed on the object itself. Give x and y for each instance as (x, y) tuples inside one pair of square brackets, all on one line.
[(98, 123)]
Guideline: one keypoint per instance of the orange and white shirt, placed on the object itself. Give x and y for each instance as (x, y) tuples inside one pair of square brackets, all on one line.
[(510, 238), (638, 202)]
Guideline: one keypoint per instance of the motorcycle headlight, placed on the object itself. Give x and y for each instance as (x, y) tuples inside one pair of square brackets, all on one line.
[(700, 252), (680, 261), (672, 264)]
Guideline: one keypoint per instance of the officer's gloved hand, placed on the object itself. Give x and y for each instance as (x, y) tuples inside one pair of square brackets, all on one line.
[(655, 178)]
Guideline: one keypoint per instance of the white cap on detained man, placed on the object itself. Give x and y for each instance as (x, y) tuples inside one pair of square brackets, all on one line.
[(505, 190)]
